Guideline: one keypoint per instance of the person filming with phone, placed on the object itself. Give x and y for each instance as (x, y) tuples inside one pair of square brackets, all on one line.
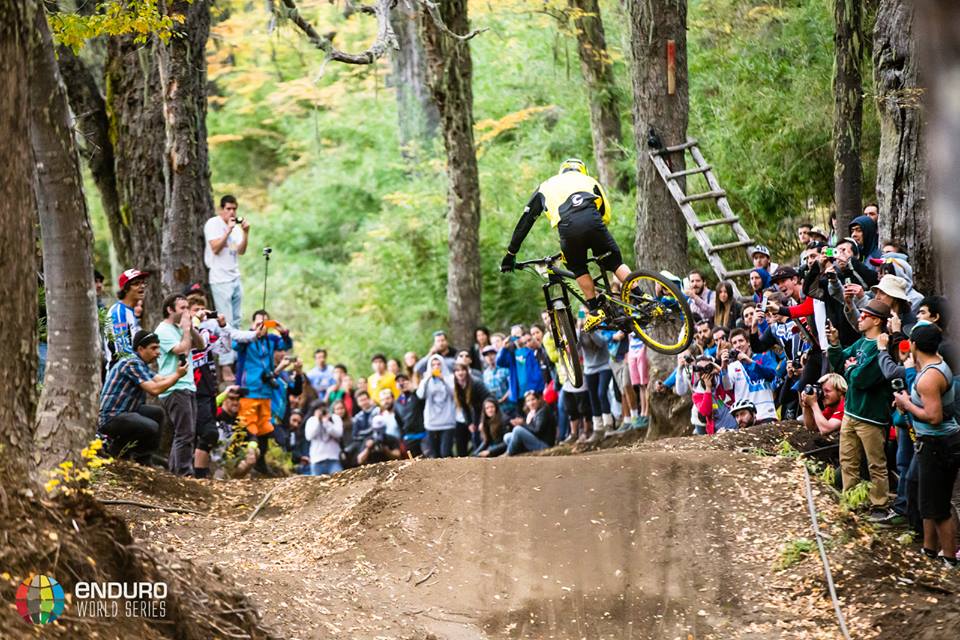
[(225, 237)]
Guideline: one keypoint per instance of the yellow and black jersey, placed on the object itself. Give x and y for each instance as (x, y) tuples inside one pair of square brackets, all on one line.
[(559, 197)]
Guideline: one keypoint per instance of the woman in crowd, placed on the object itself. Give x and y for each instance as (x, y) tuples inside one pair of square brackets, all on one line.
[(759, 280), (393, 366), (340, 410), (493, 426), (727, 308), (410, 359), (469, 394), (342, 389), (439, 408), (597, 373), (324, 430), (482, 337)]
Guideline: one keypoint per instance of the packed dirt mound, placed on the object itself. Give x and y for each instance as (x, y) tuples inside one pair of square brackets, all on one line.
[(74, 539), (623, 544)]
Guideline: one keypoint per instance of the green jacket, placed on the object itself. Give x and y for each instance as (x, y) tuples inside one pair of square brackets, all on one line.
[(868, 392)]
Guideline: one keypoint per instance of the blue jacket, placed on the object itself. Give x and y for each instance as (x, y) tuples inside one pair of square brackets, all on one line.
[(256, 358), (523, 365)]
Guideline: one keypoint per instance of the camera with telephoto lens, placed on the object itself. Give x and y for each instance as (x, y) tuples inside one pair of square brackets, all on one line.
[(704, 368), (897, 384), (268, 379), (813, 390), (734, 354)]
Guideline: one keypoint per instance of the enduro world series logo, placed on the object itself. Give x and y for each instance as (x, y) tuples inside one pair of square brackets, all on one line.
[(40, 599)]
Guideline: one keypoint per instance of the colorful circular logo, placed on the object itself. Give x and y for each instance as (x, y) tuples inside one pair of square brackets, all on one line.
[(40, 599)]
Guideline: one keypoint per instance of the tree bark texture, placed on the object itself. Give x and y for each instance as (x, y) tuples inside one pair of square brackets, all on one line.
[(902, 164), (417, 113), (601, 91), (940, 42), (18, 286), (189, 203), (449, 73), (661, 236), (67, 413), (847, 112), (135, 112), (90, 109)]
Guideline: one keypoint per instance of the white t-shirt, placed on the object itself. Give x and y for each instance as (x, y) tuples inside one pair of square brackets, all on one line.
[(223, 266)]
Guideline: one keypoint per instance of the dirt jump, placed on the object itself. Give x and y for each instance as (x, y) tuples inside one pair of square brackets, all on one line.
[(682, 538)]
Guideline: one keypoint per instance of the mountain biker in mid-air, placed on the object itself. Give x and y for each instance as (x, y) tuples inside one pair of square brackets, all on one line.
[(578, 207)]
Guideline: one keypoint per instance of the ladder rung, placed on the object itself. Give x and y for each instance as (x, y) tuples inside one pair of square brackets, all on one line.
[(731, 245), (737, 273), (688, 172), (703, 196), (679, 147), (713, 223)]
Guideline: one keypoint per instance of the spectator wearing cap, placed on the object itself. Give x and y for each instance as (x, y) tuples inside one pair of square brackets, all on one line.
[(409, 411), (761, 259), (896, 263), (867, 406), (123, 320), (127, 424), (818, 234), (892, 291), (497, 381)]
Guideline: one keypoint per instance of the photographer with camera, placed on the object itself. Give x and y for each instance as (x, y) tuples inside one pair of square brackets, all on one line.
[(323, 430), (822, 404), (125, 423), (751, 377), (377, 444), (255, 371), (178, 338), (709, 388), (225, 237), (837, 279)]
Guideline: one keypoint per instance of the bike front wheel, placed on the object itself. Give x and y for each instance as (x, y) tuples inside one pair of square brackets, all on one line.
[(566, 338), (658, 311)]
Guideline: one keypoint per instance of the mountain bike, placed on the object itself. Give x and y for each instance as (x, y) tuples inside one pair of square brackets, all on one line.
[(648, 304)]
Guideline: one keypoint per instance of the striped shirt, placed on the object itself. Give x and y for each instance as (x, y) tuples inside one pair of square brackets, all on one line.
[(125, 325), (121, 390)]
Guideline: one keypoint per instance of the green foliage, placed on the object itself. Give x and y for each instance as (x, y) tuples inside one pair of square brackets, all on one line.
[(787, 450), (829, 475), (856, 497), (359, 232), (793, 552), (141, 18)]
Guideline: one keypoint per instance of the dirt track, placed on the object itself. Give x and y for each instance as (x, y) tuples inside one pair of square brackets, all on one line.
[(638, 544)]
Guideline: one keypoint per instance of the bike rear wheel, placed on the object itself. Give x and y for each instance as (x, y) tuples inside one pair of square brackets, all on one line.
[(565, 336), (658, 311)]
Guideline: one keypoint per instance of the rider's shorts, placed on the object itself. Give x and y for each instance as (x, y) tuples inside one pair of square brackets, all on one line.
[(582, 231)]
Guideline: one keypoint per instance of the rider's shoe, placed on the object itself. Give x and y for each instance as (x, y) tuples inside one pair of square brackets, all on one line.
[(594, 319)]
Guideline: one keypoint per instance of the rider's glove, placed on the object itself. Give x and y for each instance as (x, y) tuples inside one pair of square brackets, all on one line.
[(508, 263)]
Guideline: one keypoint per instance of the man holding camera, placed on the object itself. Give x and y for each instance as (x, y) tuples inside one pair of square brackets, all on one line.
[(752, 378), (177, 338), (225, 237), (822, 404), (867, 406), (125, 422), (255, 364)]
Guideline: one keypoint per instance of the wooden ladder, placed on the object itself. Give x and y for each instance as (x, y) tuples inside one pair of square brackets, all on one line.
[(716, 192)]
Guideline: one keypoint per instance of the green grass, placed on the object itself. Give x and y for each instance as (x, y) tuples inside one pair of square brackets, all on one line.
[(793, 552)]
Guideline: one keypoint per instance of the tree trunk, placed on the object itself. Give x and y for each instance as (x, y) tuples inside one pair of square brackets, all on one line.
[(661, 240), (189, 203), (90, 110), (135, 113), (18, 286), (901, 164), (601, 90), (940, 42), (847, 112), (67, 413), (449, 73), (417, 114)]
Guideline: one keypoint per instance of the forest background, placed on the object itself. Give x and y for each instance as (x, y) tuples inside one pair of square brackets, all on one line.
[(357, 223)]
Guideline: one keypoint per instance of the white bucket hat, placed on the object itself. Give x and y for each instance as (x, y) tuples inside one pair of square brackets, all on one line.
[(893, 286)]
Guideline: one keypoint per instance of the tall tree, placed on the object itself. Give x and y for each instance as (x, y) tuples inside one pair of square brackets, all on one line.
[(417, 113), (601, 91), (661, 238), (940, 42), (186, 169), (135, 114), (847, 111), (18, 286), (450, 75), (902, 163), (68, 406)]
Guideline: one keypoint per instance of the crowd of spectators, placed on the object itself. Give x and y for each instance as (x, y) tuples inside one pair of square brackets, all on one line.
[(837, 338)]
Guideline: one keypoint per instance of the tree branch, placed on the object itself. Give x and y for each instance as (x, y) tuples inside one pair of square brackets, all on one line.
[(434, 12), (386, 39)]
